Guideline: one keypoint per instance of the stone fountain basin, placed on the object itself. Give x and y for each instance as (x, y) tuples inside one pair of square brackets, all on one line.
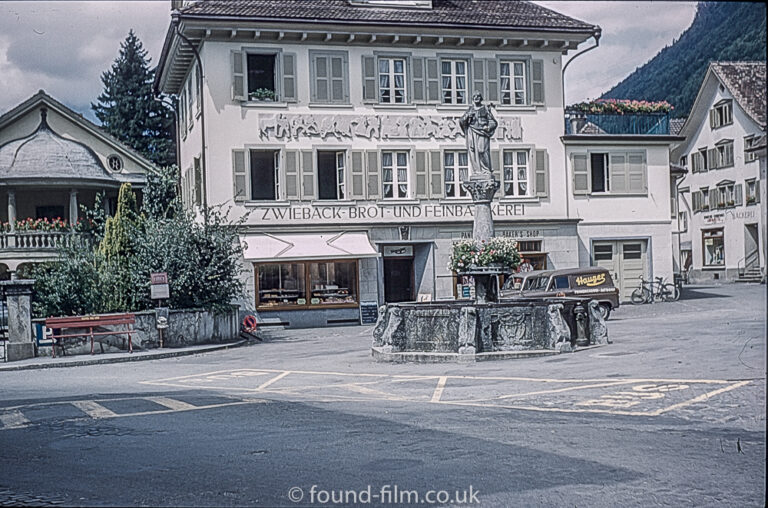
[(464, 330)]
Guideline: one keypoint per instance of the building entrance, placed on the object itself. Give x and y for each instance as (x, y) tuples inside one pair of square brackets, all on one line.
[(751, 253), (626, 260), (398, 274)]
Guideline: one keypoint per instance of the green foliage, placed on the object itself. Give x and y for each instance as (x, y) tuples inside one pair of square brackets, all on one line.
[(617, 106), (468, 254), (720, 31), (94, 219), (127, 108), (202, 260)]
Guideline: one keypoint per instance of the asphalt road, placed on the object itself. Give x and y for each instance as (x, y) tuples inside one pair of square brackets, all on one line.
[(672, 413)]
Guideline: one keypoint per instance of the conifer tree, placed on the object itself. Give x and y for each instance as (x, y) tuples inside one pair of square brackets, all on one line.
[(115, 250), (127, 107)]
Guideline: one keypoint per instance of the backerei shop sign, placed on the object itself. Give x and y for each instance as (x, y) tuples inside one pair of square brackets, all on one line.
[(373, 213)]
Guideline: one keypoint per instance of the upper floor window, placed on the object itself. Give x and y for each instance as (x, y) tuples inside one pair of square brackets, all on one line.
[(454, 81), (394, 176), (724, 153), (456, 167), (256, 174), (749, 142), (516, 173), (699, 161), (753, 191), (610, 172), (721, 114), (684, 161), (513, 83), (329, 77), (331, 177), (263, 76), (392, 79)]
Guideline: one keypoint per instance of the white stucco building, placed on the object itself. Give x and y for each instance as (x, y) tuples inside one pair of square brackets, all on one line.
[(720, 200), (332, 127)]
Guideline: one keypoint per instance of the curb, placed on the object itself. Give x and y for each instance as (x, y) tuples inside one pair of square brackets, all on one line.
[(379, 355), (123, 359)]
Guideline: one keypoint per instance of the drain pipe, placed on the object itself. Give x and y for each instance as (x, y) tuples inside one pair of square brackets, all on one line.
[(596, 34), (175, 22)]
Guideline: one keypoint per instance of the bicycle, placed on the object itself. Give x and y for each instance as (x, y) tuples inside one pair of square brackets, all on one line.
[(652, 290)]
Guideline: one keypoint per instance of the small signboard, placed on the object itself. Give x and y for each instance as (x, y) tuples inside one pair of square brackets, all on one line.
[(398, 251), (159, 288), (369, 312)]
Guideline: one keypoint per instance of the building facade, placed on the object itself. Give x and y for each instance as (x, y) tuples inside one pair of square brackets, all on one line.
[(720, 200), (330, 130), (52, 161)]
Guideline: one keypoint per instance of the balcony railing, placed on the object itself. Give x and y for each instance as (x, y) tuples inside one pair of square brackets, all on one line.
[(578, 122), (39, 240)]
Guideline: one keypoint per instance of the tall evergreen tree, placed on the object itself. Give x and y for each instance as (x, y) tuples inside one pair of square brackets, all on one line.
[(128, 110)]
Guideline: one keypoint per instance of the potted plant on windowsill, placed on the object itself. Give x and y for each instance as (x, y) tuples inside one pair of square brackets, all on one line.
[(705, 208), (263, 95), (721, 204), (751, 200), (731, 203)]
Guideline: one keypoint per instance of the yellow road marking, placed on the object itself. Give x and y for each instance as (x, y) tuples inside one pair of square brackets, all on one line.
[(13, 420), (93, 409), (171, 403), (439, 389)]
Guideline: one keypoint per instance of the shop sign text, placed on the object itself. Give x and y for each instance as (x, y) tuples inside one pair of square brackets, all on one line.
[(373, 212)]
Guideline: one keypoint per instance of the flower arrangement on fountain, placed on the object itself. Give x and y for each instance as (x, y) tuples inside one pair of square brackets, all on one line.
[(469, 255)]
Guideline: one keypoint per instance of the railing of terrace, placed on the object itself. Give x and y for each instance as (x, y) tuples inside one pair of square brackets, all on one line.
[(579, 122)]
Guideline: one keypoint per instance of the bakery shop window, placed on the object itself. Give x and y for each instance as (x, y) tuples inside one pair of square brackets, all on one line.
[(307, 284), (281, 284)]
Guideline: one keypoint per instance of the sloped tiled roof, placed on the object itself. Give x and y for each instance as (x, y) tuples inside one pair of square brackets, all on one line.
[(746, 81), (503, 14), (676, 125)]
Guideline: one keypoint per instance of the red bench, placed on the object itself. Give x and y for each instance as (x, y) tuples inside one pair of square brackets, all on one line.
[(89, 323)]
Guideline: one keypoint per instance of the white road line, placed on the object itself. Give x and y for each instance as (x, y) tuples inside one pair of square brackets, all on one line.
[(274, 380), (439, 389), (13, 420), (93, 409), (171, 403)]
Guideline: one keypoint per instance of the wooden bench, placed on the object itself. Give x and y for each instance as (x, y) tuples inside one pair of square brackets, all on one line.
[(89, 323)]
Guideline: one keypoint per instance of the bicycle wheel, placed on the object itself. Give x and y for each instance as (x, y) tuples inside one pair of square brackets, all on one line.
[(640, 295), (670, 293)]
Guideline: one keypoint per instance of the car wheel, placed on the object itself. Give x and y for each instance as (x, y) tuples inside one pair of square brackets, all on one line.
[(605, 311)]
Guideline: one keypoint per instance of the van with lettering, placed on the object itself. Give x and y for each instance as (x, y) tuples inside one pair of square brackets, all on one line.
[(588, 282)]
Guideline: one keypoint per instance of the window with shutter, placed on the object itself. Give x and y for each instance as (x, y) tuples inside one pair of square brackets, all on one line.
[(238, 76), (421, 173), (370, 91), (329, 77), (307, 175), (291, 174), (695, 201), (618, 173), (580, 173), (358, 175), (289, 92), (392, 80), (514, 82), (261, 76), (433, 80), (455, 171), (478, 77), (419, 80), (738, 195), (454, 81), (712, 158), (497, 167), (436, 174), (516, 178), (372, 174), (264, 175), (492, 80), (637, 173)]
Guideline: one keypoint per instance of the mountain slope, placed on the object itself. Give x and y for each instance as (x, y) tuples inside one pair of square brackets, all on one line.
[(676, 72)]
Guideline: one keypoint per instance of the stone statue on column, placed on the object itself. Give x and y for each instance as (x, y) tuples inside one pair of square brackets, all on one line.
[(478, 126)]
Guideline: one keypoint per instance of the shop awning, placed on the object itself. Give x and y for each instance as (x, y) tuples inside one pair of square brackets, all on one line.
[(267, 247)]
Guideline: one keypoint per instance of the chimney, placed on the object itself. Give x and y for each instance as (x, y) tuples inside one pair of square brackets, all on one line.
[(177, 4)]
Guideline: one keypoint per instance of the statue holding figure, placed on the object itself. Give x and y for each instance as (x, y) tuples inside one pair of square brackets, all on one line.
[(478, 126)]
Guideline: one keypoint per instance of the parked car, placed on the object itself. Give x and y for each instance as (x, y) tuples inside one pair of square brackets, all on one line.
[(589, 282), (517, 281)]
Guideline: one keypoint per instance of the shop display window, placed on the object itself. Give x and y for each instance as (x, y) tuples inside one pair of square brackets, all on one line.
[(714, 247), (306, 284)]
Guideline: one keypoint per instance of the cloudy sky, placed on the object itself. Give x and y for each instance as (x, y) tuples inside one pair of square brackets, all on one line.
[(63, 47)]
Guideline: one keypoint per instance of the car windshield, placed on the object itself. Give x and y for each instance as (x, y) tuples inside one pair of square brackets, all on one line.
[(535, 283)]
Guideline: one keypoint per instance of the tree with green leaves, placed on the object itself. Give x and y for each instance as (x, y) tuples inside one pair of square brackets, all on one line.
[(116, 249), (127, 107)]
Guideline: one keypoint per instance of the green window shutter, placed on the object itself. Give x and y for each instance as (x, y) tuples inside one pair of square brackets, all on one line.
[(637, 173), (496, 169), (238, 76), (291, 174), (370, 82), (537, 81), (321, 81), (712, 158), (421, 174), (240, 175), (433, 80), (418, 94), (541, 186), (338, 74), (492, 79), (738, 196), (358, 175), (307, 175), (289, 78), (618, 173), (478, 77), (372, 174), (436, 174), (580, 173)]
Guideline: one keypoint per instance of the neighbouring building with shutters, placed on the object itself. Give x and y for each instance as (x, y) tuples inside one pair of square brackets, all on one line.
[(332, 126), (720, 200)]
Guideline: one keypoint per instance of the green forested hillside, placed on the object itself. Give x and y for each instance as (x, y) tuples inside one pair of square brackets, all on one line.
[(720, 31)]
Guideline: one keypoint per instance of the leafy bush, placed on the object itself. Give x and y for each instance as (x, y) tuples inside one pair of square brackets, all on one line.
[(468, 254)]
